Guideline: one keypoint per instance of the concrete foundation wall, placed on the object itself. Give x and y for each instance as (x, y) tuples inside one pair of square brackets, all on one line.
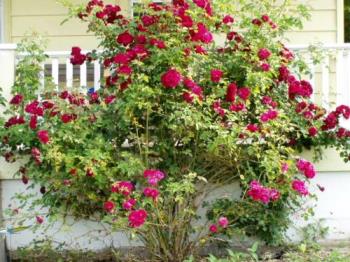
[(331, 207)]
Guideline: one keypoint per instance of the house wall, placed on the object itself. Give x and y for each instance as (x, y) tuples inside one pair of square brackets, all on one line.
[(45, 16), (326, 23)]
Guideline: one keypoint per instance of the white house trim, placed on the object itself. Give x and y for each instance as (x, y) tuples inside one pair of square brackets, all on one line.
[(340, 21)]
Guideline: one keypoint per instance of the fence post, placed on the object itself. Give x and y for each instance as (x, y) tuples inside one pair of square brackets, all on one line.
[(7, 78)]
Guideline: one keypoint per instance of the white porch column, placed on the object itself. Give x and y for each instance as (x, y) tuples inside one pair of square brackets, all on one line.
[(7, 78)]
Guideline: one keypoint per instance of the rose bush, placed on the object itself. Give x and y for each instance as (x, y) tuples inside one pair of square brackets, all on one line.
[(178, 116)]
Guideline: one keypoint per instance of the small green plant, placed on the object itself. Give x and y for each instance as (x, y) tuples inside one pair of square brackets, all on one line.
[(314, 232), (251, 254), (316, 256)]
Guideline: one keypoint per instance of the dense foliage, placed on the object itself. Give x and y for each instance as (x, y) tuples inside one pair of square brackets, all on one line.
[(347, 21), (178, 116)]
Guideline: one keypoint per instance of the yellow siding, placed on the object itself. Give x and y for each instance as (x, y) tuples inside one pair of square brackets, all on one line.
[(323, 26), (331, 161), (45, 17)]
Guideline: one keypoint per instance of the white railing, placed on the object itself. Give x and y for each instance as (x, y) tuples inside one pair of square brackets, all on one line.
[(60, 57), (58, 62), (330, 78)]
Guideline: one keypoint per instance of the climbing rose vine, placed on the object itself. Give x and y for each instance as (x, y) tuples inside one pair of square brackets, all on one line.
[(197, 95)]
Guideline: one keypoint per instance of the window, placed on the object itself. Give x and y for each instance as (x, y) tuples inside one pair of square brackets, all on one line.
[(347, 21)]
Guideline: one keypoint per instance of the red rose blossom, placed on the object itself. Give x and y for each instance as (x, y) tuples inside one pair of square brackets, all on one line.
[(121, 58), (39, 219), (269, 115), (89, 172), (66, 118), (264, 53), (200, 3), (153, 176), (306, 167), (300, 187), (148, 20), (218, 109), (77, 58), (203, 35), (263, 194), (33, 122), (109, 99), (141, 39), (48, 104), (228, 19), (125, 70), (188, 97), (129, 204), (265, 18), (213, 228), (151, 192), (265, 67), (137, 218), (125, 38), (312, 131), (109, 206), (16, 100), (256, 22), (171, 79), (244, 93), (231, 92), (34, 108), (200, 50), (15, 120), (25, 179), (215, 75), (186, 21), (223, 222), (43, 136), (237, 107), (252, 128)]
